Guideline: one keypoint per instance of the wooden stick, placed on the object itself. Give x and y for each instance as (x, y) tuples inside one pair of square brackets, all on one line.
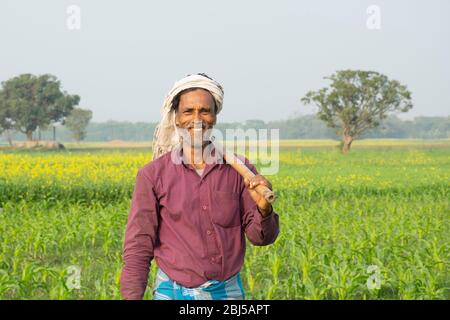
[(243, 170)]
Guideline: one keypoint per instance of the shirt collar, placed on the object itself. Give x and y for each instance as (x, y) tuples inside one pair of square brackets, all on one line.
[(212, 157)]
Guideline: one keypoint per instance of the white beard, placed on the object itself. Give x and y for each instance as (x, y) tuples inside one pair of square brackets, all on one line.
[(199, 137)]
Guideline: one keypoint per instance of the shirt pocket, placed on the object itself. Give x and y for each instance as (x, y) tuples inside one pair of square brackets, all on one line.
[(226, 210)]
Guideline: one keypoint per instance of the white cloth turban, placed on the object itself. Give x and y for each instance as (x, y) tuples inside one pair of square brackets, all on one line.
[(165, 137)]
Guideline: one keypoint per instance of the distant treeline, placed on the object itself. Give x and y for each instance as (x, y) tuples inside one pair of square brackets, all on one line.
[(301, 127)]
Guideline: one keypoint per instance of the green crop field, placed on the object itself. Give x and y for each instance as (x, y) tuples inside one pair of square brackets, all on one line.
[(372, 224)]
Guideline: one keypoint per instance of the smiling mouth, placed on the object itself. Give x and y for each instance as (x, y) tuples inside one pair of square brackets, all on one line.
[(197, 127)]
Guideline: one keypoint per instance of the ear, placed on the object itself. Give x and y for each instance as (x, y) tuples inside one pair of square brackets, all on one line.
[(177, 123)]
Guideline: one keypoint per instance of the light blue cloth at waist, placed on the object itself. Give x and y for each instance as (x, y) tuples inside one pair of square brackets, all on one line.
[(167, 289)]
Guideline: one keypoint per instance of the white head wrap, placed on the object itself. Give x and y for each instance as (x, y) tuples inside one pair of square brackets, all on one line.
[(165, 137)]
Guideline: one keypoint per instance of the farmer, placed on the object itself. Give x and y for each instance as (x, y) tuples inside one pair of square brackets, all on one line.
[(192, 216)]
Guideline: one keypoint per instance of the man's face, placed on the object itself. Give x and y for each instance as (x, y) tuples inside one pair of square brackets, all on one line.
[(196, 114)]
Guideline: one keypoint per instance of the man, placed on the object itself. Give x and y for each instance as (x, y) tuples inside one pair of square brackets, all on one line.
[(192, 216)]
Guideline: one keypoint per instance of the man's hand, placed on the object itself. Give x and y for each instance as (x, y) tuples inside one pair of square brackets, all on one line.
[(263, 205)]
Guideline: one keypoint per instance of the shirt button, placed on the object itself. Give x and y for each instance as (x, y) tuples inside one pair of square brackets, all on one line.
[(204, 207), (213, 260), (208, 232)]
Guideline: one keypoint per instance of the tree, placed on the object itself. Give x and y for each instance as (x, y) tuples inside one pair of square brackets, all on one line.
[(35, 101), (356, 101), (5, 120), (77, 122), (255, 124)]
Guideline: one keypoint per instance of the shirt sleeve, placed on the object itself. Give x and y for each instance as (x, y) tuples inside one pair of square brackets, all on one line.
[(260, 231), (140, 236)]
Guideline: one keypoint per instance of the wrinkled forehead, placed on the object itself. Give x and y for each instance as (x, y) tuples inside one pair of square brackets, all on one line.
[(195, 98)]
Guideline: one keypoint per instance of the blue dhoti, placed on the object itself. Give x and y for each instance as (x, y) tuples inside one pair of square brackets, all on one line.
[(167, 289)]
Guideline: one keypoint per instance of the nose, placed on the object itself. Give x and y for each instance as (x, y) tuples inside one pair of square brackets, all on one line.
[(197, 116), (197, 121)]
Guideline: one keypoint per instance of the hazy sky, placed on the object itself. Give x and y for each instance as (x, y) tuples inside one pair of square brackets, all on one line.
[(266, 54)]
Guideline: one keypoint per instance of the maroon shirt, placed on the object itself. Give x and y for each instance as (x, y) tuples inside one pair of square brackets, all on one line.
[(193, 226)]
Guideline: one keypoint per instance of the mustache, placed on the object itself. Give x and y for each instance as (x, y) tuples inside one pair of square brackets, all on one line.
[(197, 124)]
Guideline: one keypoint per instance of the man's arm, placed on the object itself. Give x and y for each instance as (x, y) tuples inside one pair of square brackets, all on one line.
[(140, 236), (260, 229)]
